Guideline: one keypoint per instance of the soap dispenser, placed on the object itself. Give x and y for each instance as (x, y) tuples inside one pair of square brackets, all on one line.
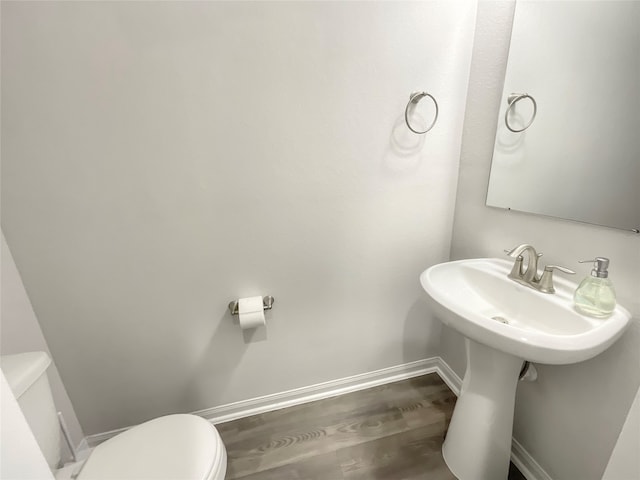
[(595, 295)]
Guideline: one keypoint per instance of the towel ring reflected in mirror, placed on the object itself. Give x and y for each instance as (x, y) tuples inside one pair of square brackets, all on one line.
[(414, 98), (512, 100)]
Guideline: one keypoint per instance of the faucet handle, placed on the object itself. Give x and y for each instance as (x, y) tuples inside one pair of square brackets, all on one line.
[(566, 270), (545, 285)]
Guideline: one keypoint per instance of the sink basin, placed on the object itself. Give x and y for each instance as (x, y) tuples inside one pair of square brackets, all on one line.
[(476, 298), (504, 323)]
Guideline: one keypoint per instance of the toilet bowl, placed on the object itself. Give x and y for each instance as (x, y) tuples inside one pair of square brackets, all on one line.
[(181, 446), (171, 447)]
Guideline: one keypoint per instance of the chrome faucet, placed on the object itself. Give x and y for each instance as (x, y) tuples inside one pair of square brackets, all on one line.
[(529, 276)]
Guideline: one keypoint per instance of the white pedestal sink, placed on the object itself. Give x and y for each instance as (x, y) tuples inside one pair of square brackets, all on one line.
[(504, 323)]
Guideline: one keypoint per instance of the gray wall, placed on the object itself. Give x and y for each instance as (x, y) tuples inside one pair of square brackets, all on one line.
[(624, 461), (160, 159), (570, 418)]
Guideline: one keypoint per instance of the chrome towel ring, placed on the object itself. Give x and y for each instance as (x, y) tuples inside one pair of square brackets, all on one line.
[(512, 100), (414, 98)]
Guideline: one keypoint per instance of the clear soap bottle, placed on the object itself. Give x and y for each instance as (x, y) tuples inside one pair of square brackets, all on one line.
[(595, 296)]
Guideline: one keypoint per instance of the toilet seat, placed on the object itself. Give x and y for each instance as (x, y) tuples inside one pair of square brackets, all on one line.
[(184, 447)]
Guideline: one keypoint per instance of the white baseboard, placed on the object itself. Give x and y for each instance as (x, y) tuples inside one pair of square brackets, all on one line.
[(245, 408), (526, 463), (333, 388), (97, 438), (448, 376)]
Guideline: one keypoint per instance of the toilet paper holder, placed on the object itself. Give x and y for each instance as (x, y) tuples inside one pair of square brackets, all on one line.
[(267, 304)]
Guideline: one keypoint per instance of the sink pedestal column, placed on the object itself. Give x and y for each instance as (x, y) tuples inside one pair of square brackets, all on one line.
[(478, 443)]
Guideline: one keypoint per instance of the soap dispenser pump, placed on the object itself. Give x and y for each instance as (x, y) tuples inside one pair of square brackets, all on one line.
[(595, 295)]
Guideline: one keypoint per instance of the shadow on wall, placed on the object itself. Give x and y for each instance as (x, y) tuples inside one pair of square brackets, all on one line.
[(453, 350), (218, 360), (420, 324), (403, 155)]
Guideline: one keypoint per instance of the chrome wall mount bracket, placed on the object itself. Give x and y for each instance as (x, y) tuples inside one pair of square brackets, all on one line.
[(267, 303)]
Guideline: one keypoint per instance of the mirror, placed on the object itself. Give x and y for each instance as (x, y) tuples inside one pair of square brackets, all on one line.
[(579, 159)]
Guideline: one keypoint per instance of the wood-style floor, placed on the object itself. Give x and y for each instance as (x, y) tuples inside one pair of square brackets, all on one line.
[(393, 432)]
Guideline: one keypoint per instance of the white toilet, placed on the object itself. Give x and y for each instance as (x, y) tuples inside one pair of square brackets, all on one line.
[(184, 447)]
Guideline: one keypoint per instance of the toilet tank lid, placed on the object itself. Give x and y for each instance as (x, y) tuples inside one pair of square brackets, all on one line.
[(23, 369)]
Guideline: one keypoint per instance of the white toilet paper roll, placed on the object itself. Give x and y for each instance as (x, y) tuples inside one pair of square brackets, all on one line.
[(251, 312), (251, 320)]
